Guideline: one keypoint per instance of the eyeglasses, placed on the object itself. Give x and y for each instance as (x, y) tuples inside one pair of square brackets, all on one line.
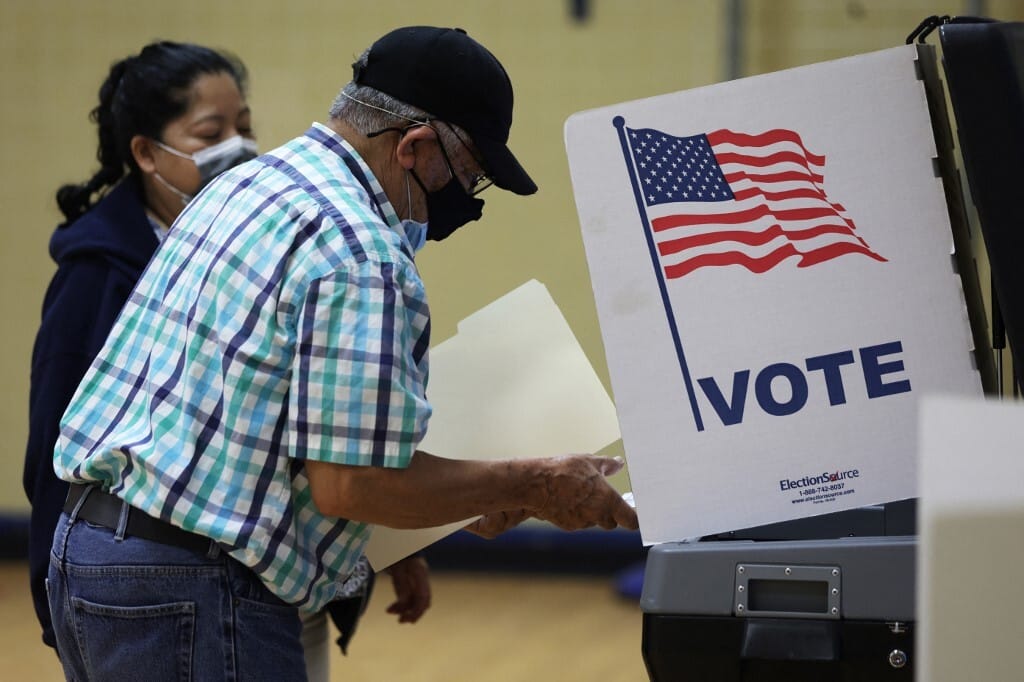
[(477, 184), (480, 181)]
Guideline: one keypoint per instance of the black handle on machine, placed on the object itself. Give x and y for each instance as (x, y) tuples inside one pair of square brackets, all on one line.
[(933, 22)]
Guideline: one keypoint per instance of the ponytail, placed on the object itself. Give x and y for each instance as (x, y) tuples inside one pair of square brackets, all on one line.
[(74, 200)]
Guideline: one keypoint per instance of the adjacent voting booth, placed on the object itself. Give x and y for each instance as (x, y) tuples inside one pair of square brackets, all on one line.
[(781, 271)]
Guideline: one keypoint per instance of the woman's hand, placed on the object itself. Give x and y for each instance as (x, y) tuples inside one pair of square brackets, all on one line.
[(411, 580)]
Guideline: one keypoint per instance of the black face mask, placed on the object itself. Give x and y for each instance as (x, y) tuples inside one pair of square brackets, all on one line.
[(449, 208)]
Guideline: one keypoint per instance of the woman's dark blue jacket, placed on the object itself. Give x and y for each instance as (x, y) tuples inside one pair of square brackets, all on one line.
[(99, 257)]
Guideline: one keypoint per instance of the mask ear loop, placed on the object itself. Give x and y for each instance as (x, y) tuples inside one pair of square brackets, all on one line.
[(400, 131), (172, 150), (185, 198), (408, 195)]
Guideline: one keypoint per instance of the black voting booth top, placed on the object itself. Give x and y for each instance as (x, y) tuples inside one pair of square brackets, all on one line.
[(984, 66)]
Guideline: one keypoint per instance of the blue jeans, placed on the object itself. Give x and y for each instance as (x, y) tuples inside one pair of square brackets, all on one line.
[(132, 609)]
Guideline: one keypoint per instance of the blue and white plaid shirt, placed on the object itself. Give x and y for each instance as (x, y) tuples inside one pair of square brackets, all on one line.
[(283, 319)]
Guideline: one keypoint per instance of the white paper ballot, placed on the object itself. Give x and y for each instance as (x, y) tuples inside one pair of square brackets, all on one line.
[(512, 383)]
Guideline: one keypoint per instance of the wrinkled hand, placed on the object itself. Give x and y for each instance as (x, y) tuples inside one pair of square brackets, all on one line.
[(578, 496), (411, 580), (491, 526)]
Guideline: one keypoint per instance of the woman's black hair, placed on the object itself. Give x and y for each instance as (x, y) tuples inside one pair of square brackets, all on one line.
[(141, 95)]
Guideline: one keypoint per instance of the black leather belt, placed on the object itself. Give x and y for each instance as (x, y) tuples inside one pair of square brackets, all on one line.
[(104, 510)]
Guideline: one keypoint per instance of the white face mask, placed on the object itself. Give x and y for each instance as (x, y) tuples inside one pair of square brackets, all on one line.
[(212, 161)]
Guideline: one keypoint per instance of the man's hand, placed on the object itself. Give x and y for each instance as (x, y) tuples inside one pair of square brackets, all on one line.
[(578, 496), (492, 525), (411, 580)]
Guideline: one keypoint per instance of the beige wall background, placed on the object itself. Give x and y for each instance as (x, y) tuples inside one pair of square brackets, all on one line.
[(55, 53)]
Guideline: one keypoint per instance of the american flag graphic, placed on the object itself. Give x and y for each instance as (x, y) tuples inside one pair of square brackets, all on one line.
[(728, 198)]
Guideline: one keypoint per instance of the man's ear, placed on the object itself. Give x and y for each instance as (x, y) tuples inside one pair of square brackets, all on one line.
[(142, 149), (411, 141)]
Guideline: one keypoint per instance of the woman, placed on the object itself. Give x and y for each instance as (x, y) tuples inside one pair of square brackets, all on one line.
[(169, 119)]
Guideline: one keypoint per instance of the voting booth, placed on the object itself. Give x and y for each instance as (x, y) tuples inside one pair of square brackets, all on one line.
[(782, 273)]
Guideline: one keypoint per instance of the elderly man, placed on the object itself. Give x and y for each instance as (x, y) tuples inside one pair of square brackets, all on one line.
[(257, 407)]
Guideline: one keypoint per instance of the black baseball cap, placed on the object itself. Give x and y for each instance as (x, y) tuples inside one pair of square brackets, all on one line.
[(456, 79)]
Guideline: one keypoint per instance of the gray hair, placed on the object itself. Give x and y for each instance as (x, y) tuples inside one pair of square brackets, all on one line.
[(368, 110)]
